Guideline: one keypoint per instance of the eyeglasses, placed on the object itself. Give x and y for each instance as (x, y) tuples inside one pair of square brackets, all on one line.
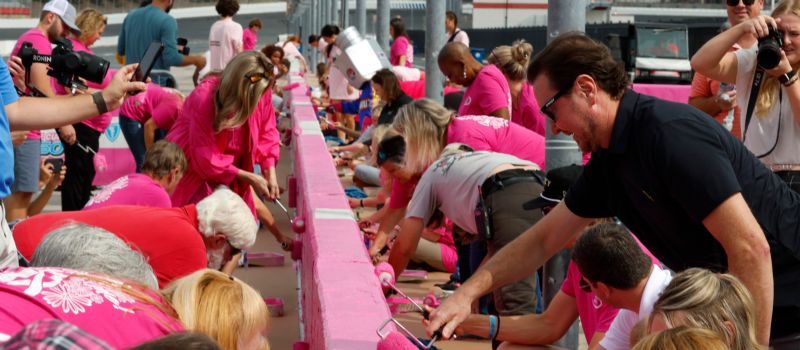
[(736, 2), (546, 107), (256, 77), (584, 285)]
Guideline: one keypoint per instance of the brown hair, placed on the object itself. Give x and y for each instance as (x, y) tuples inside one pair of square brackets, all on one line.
[(271, 49), (512, 60), (227, 8), (164, 156), (388, 81), (237, 96), (255, 22), (572, 54)]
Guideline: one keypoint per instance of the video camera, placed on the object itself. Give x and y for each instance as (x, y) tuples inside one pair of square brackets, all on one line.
[(65, 64)]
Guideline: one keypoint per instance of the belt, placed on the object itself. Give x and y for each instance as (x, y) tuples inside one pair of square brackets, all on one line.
[(507, 178), (784, 167)]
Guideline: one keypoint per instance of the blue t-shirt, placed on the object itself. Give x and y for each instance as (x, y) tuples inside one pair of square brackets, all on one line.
[(7, 95), (145, 25)]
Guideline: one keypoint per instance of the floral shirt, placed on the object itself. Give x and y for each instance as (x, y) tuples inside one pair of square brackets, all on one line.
[(93, 303)]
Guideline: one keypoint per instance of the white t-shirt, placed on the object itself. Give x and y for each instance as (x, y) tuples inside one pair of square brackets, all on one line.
[(460, 37), (618, 335), (762, 132), (224, 39)]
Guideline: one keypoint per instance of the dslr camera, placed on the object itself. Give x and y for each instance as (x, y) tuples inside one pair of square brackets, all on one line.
[(66, 65), (769, 49), (183, 46)]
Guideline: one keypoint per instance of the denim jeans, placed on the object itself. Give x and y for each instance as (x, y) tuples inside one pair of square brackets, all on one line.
[(133, 132)]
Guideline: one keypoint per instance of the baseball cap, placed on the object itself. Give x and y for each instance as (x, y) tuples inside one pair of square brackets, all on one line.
[(65, 10), (556, 185)]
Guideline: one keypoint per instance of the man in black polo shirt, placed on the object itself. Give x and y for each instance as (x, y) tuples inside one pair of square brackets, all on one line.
[(683, 184)]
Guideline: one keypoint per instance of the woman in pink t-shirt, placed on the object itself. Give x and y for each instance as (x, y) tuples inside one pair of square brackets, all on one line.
[(487, 88), (250, 35), (153, 110), (82, 140), (226, 128), (121, 314), (401, 53), (512, 61)]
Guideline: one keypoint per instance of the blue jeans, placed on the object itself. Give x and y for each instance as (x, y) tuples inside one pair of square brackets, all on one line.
[(133, 132)]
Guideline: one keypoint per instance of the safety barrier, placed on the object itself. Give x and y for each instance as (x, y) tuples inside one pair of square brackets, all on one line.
[(341, 300)]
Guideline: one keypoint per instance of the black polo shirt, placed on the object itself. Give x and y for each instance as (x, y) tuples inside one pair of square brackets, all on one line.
[(389, 110), (669, 165)]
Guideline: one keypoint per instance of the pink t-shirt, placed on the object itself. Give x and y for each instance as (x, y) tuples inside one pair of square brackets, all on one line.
[(401, 47), (133, 189), (102, 121), (487, 93), (249, 39), (160, 103), (290, 50), (484, 133), (595, 315), (98, 305), (42, 44), (224, 39), (527, 113)]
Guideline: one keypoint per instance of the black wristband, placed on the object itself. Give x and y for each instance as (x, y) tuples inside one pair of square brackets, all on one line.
[(100, 102), (362, 202)]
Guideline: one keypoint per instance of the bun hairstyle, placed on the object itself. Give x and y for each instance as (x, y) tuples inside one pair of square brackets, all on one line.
[(512, 60)]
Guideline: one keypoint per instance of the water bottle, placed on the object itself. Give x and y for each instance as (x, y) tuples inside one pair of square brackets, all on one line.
[(724, 88)]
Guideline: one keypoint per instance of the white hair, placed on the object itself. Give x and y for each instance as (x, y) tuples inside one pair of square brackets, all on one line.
[(224, 212), (92, 249)]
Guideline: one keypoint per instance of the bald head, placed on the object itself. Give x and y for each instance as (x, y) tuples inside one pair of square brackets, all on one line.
[(455, 52)]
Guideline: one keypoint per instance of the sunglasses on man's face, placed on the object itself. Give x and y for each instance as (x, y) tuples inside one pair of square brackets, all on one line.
[(736, 2), (546, 107)]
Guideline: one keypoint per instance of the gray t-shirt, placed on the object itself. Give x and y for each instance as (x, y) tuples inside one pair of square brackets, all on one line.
[(451, 184)]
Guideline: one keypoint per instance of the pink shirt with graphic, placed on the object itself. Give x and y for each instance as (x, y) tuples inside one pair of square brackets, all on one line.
[(487, 93), (102, 121), (42, 44), (527, 113), (96, 305), (160, 103), (224, 40), (133, 189), (401, 47), (249, 39)]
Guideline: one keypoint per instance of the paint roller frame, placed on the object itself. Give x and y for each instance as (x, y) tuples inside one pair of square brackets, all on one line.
[(405, 332)]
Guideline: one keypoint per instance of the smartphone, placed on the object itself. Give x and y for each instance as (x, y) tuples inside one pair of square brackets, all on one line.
[(149, 58), (57, 163)]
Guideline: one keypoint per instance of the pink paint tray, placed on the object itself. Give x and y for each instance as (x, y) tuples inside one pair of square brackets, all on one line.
[(410, 276), (275, 306), (265, 258)]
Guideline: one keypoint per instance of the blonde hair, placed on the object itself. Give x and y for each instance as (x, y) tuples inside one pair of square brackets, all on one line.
[(423, 123), (237, 97), (90, 21), (682, 338), (512, 60), (770, 87), (216, 304), (705, 299)]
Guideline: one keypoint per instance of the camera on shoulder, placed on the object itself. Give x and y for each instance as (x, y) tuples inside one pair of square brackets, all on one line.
[(769, 49), (66, 65)]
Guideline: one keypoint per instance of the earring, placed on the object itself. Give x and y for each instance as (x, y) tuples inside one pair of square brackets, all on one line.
[(465, 72)]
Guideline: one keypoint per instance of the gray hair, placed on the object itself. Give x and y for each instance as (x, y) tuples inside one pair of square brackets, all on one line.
[(224, 212), (92, 249)]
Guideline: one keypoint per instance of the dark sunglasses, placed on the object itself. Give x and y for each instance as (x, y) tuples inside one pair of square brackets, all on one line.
[(584, 285), (736, 2), (546, 107)]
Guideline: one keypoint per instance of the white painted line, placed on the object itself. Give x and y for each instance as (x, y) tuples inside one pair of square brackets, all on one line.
[(333, 214), (310, 128)]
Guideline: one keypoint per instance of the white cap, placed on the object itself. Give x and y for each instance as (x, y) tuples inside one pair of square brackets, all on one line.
[(65, 10)]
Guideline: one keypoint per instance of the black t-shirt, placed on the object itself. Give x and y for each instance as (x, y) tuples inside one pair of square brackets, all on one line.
[(390, 109), (666, 168)]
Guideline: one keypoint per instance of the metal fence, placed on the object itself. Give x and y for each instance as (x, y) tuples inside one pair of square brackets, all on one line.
[(116, 6)]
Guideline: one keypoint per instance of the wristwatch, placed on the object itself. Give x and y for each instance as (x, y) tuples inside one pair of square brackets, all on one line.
[(788, 78), (100, 102)]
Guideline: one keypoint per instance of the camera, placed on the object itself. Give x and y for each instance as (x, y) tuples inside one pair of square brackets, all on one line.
[(769, 49), (183, 46), (65, 64)]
